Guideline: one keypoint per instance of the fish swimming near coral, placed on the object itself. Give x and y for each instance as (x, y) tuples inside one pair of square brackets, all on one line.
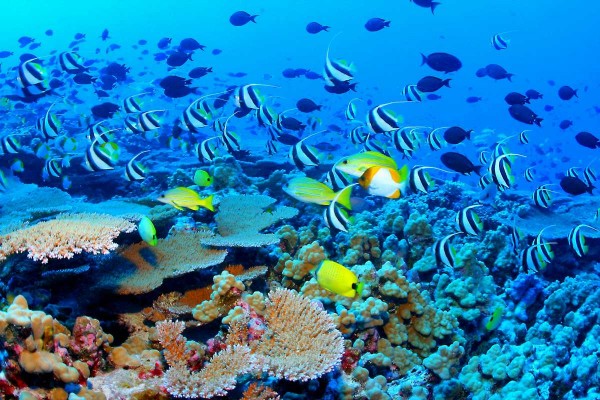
[(338, 279), (182, 197)]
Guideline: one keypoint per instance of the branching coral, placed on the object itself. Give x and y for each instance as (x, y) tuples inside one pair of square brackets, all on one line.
[(299, 342), (65, 236)]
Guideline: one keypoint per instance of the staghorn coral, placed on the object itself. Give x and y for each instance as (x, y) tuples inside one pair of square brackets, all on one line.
[(179, 254), (301, 341), (241, 218), (65, 236)]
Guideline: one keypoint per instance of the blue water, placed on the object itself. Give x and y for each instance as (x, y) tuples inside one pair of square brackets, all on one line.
[(552, 43)]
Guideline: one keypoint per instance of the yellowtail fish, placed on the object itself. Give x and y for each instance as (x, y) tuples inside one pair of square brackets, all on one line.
[(147, 231), (384, 182), (338, 279), (182, 197), (495, 319), (357, 164), (308, 190), (202, 178)]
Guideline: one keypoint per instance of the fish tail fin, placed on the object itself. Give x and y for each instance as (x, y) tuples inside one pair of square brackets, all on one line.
[(208, 203), (359, 287), (387, 23), (527, 100), (252, 18), (423, 59), (446, 82), (509, 77), (434, 5), (468, 136), (403, 172), (343, 197), (477, 169), (538, 121), (353, 86), (189, 57), (575, 93), (326, 28), (590, 188)]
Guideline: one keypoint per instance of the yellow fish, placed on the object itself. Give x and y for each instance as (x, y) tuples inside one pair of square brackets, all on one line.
[(495, 319), (308, 190), (202, 178), (357, 164), (338, 279), (385, 182), (181, 197), (147, 231)]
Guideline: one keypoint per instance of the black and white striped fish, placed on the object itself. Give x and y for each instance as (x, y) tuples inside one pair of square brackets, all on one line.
[(411, 93), (375, 145), (34, 90), (194, 118), (499, 43), (351, 110), (444, 252), (134, 171), (484, 181), (589, 174), (468, 221), (501, 172), (248, 97), (572, 172), (531, 259), (31, 73), (336, 218), (50, 125), (10, 144), (358, 135), (205, 151), (577, 240), (419, 180), (270, 147), (483, 159), (515, 238), (266, 116), (218, 125), (544, 248), (529, 174), (71, 63), (53, 168), (149, 121), (337, 180), (405, 140), (99, 157), (100, 133), (132, 105), (230, 139), (302, 155), (542, 196), (434, 141), (132, 124), (380, 120), (337, 71), (523, 137)]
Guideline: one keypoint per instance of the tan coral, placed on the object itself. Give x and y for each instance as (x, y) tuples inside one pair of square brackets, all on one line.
[(65, 236)]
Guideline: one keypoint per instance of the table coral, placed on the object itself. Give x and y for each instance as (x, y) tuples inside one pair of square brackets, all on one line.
[(65, 236)]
